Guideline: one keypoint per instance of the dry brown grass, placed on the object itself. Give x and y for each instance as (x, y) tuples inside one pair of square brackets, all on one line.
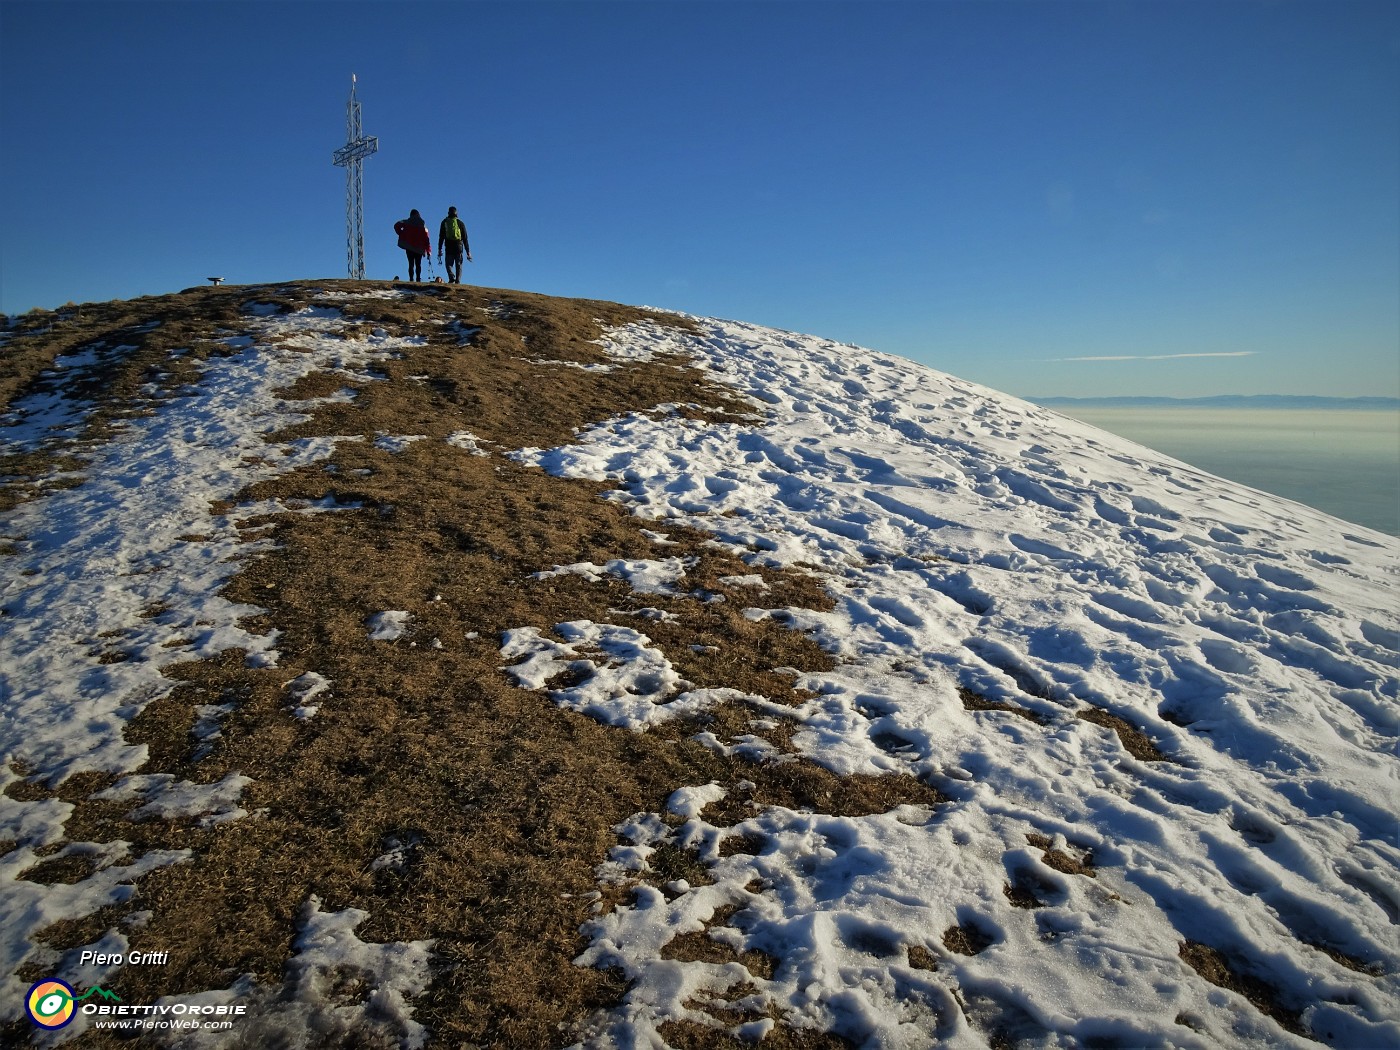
[(702, 947), (509, 800), (1217, 969), (687, 1035), (505, 801), (132, 341), (1134, 740), (974, 701), (920, 958), (1062, 861), (966, 939)]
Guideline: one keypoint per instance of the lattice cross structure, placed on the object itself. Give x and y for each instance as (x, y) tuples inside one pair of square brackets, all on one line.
[(351, 157)]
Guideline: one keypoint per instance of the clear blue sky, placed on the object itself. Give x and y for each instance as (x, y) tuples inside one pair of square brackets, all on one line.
[(992, 188)]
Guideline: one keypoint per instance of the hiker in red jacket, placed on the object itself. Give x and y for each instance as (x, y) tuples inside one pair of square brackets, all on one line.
[(413, 239), (452, 236)]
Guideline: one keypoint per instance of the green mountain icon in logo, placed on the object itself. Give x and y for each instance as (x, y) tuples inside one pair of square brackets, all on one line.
[(111, 997)]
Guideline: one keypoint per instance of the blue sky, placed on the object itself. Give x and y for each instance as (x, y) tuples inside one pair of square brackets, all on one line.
[(1051, 198)]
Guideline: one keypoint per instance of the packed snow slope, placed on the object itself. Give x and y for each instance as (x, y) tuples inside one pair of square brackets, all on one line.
[(1148, 717)]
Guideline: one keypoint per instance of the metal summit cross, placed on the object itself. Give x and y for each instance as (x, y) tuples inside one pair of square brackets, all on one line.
[(351, 157)]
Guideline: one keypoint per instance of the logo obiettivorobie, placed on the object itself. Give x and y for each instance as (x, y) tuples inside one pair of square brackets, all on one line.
[(50, 1003)]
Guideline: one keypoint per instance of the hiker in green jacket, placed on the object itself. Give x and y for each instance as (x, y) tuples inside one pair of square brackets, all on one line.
[(452, 236)]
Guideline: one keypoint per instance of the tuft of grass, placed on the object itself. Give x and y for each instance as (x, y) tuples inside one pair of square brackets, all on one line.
[(1216, 968), (974, 701), (966, 939), (1062, 861), (920, 958), (1134, 740)]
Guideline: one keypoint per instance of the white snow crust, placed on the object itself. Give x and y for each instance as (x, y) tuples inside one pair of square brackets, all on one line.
[(336, 990), (389, 626), (971, 541), (129, 565), (622, 680)]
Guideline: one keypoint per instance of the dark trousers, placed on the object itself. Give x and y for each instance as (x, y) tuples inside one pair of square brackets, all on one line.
[(415, 264), (454, 262)]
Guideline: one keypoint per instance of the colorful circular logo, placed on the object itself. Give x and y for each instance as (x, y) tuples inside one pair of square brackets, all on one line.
[(50, 1004)]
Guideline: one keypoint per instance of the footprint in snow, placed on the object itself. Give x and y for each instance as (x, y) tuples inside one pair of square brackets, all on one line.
[(1283, 577), (1227, 657)]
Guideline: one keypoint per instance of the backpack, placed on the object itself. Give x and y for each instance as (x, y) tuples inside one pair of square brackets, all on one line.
[(454, 229)]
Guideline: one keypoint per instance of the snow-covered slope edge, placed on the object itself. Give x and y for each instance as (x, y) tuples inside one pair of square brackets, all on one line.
[(982, 547)]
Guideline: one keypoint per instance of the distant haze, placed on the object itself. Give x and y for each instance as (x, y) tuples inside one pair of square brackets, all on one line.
[(1340, 455), (1226, 401)]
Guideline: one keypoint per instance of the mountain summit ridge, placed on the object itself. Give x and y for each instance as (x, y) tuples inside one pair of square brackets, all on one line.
[(440, 664)]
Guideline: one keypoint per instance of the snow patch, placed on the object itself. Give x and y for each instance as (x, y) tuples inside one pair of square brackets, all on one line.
[(643, 576), (336, 989), (396, 442), (975, 544), (467, 442), (388, 626), (165, 798), (613, 674), (305, 688)]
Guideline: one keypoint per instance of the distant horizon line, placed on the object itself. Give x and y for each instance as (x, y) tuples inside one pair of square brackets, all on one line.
[(1226, 400)]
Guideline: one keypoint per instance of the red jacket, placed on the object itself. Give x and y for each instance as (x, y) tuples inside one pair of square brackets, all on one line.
[(413, 236)]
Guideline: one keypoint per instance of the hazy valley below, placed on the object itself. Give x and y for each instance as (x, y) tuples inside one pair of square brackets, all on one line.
[(1345, 461)]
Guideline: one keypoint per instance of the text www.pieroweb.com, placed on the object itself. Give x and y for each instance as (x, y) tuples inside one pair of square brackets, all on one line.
[(177, 1017)]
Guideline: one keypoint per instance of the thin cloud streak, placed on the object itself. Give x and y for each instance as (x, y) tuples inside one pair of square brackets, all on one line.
[(1156, 357)]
